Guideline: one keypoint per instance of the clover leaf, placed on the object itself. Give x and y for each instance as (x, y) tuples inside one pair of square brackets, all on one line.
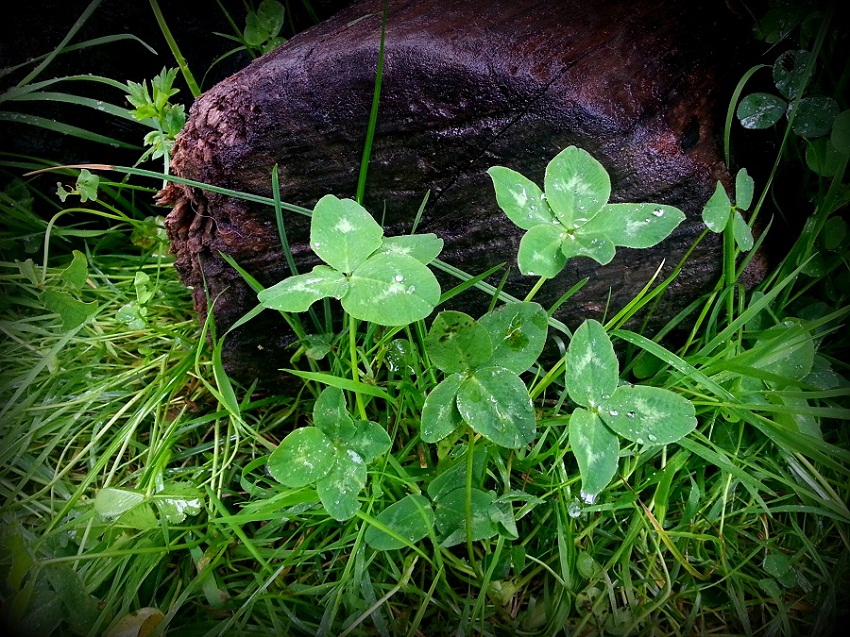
[(402, 523), (573, 217), (483, 360), (645, 415), (333, 454), (719, 210), (383, 280), (811, 116)]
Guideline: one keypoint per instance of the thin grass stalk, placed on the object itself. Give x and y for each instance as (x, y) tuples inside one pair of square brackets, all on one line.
[(68, 37), (373, 113), (175, 50)]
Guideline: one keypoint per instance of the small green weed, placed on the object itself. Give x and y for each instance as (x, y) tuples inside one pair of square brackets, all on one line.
[(157, 111)]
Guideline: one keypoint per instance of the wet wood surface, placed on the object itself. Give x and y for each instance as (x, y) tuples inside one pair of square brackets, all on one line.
[(466, 85)]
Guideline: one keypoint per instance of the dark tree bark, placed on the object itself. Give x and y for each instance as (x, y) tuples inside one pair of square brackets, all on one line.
[(466, 85)]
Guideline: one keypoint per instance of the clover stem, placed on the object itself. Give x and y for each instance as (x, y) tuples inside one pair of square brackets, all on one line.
[(729, 267), (536, 287), (470, 456), (352, 348)]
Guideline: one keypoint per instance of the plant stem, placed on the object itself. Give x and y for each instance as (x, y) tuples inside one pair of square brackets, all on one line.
[(352, 349), (373, 114), (539, 387), (729, 267), (536, 287), (470, 457), (175, 50)]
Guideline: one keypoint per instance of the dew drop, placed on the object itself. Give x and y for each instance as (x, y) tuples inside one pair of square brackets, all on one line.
[(658, 212), (399, 277), (630, 414), (652, 437), (588, 498), (614, 412), (639, 441), (574, 509)]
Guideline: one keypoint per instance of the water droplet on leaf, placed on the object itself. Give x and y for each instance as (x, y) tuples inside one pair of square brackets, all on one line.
[(588, 498)]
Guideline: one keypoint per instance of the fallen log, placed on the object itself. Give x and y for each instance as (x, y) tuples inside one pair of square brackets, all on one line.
[(466, 85)]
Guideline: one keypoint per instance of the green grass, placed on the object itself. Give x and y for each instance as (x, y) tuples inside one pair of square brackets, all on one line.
[(740, 528)]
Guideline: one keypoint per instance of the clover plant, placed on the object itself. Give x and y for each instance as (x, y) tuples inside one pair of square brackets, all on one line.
[(383, 280), (402, 523), (645, 415), (719, 210), (263, 26), (483, 360), (572, 217), (332, 454), (458, 483), (811, 115), (780, 356)]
